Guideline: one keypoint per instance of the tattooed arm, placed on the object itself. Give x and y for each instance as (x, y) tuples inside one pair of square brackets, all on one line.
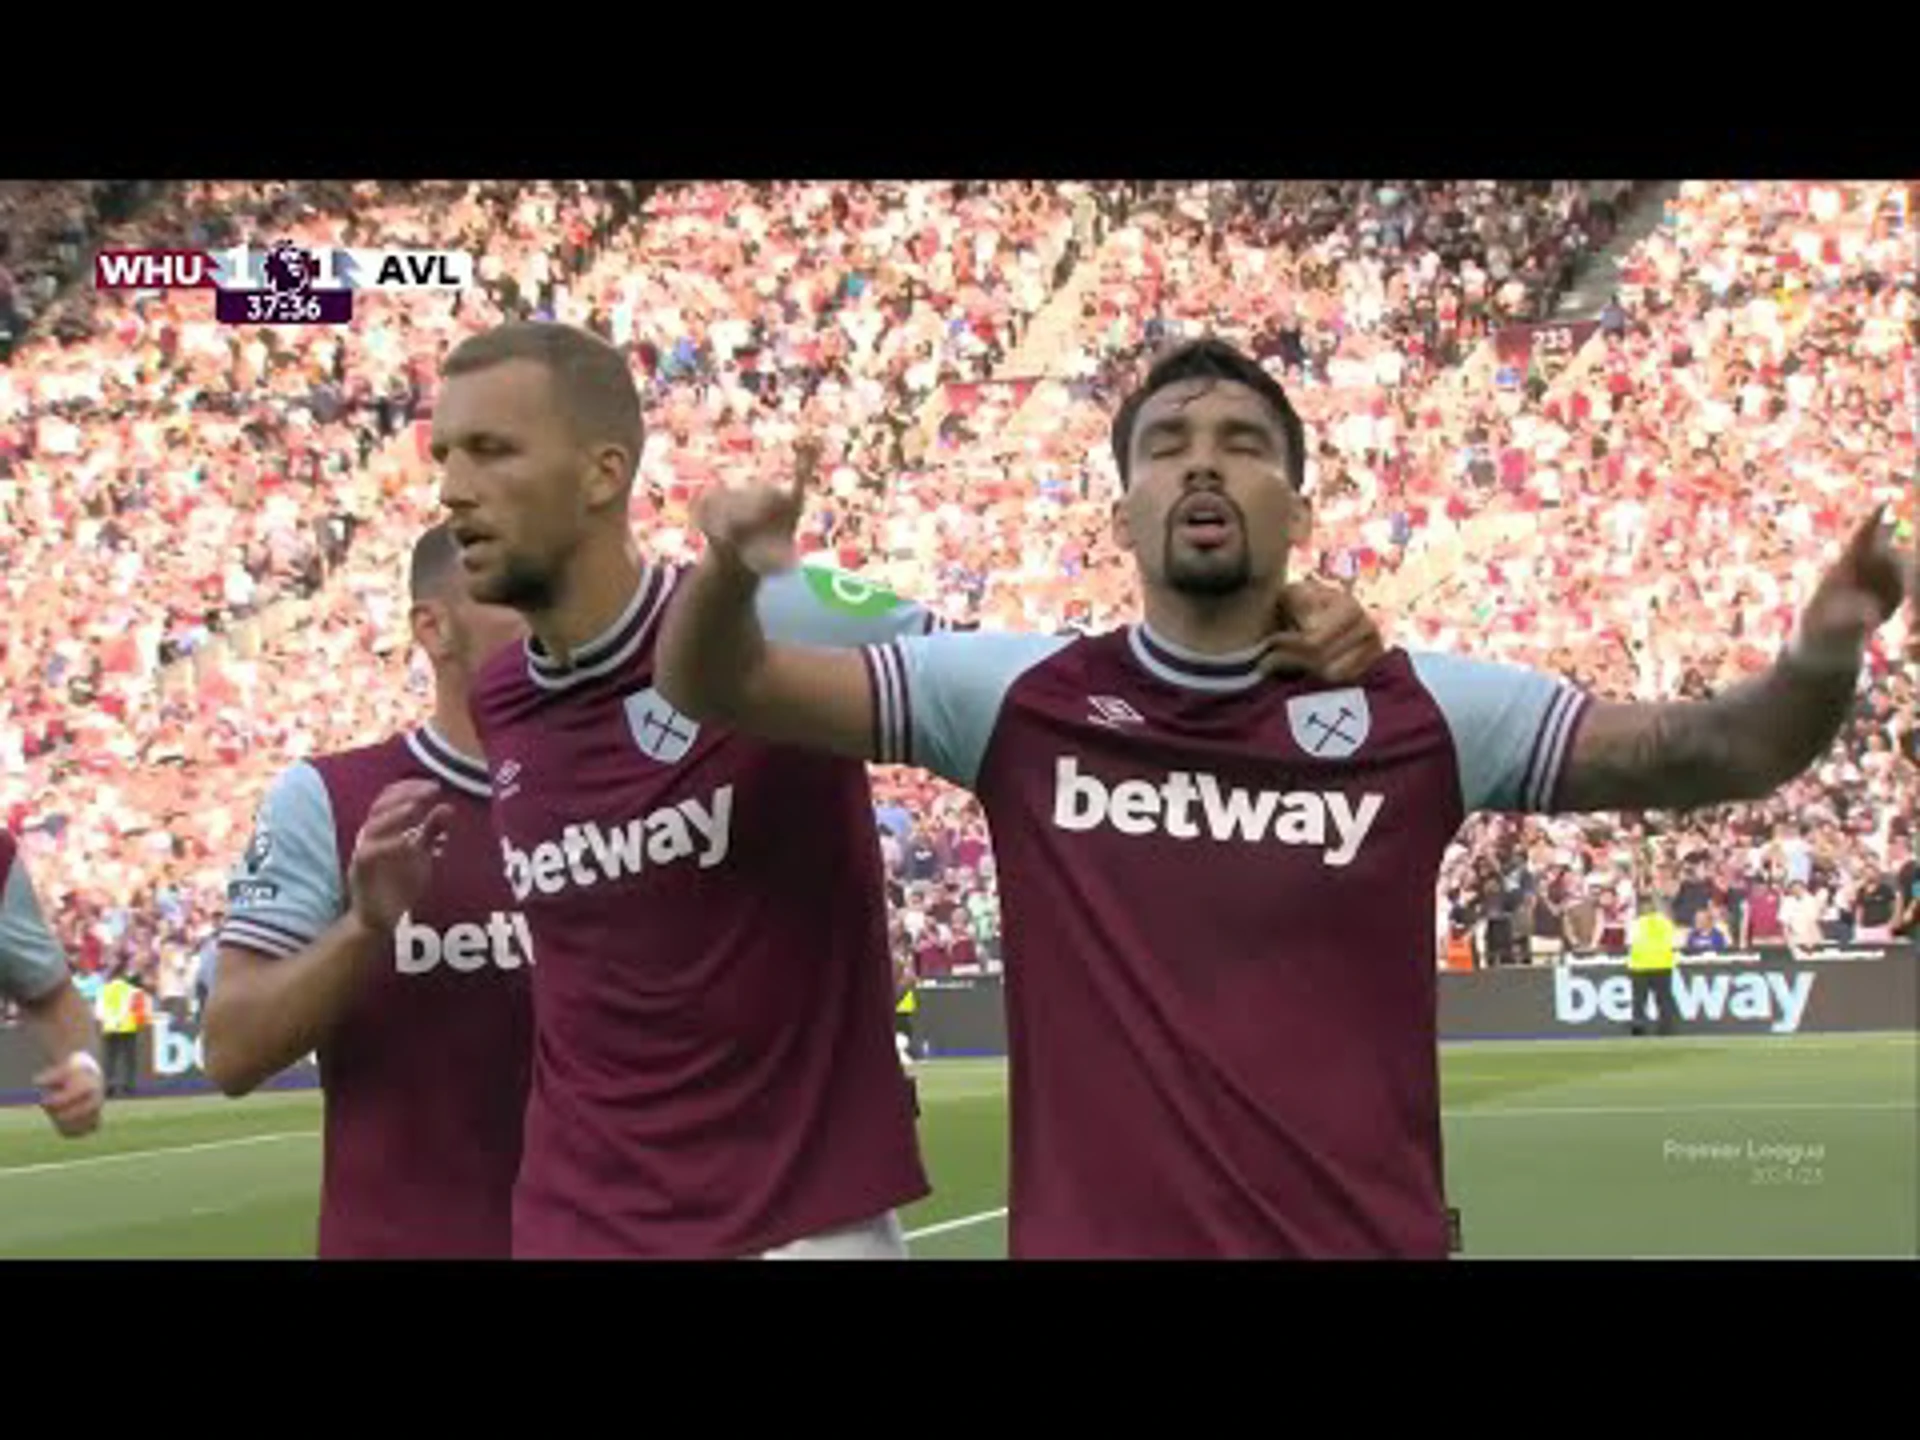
[(1741, 745), (1748, 741)]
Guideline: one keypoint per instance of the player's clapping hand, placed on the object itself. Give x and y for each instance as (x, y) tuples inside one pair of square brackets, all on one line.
[(1324, 632), (73, 1093), (755, 524), (393, 856)]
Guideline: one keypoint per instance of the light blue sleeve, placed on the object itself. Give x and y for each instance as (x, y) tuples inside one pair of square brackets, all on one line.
[(286, 889), (937, 698), (1513, 729), (814, 605), (31, 960)]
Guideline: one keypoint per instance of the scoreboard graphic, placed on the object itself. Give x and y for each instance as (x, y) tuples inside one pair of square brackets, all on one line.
[(282, 283)]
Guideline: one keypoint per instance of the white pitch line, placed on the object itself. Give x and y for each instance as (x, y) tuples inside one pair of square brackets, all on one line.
[(962, 1223), (1471, 1112), (160, 1150), (1494, 1112)]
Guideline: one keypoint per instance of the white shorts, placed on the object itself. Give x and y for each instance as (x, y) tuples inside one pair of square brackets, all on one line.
[(879, 1239)]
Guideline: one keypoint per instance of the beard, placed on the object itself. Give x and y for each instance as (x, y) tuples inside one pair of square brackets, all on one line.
[(1213, 574), (1225, 570), (519, 584)]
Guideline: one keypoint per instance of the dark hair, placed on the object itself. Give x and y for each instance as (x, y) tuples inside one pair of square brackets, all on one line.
[(435, 554), (1211, 359), (592, 381)]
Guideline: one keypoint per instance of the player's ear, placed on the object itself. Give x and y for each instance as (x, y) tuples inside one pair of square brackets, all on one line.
[(1299, 519), (1123, 522), (608, 477), (428, 621)]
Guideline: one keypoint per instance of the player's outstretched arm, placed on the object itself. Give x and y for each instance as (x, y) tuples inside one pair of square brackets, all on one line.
[(716, 665), (298, 944), (715, 662), (1747, 742), (931, 701)]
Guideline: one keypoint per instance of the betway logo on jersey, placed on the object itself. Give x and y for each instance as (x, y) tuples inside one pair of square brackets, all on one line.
[(588, 853), (502, 941), (1190, 806)]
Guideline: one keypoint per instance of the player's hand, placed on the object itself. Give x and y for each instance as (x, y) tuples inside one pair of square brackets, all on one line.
[(73, 1094), (755, 524), (1325, 632), (1862, 590), (393, 856)]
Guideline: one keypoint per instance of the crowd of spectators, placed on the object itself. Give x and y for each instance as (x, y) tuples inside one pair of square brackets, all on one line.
[(1672, 501), (202, 528), (1748, 404), (166, 482), (749, 311), (47, 233)]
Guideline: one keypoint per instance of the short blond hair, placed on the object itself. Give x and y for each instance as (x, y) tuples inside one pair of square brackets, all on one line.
[(592, 382)]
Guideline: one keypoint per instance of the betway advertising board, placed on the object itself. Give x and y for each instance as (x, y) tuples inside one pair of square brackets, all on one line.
[(1765, 991), (1768, 991)]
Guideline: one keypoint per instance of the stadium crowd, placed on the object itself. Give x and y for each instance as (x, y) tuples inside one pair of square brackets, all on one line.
[(202, 527), (47, 232), (1748, 391), (1749, 402), (165, 480)]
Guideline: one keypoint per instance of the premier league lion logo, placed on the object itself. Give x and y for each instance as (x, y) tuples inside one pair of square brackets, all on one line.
[(288, 269), (259, 847)]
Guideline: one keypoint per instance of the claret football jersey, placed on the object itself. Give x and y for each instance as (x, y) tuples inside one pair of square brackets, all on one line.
[(426, 1077), (1218, 895), (714, 1071)]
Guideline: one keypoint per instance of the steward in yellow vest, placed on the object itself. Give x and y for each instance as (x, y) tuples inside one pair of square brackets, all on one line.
[(1650, 962)]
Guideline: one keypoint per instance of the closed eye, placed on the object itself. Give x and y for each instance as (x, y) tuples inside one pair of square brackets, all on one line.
[(1164, 437), (1243, 438), (482, 447)]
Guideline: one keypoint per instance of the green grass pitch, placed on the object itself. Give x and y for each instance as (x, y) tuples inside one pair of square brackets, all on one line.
[(1799, 1146)]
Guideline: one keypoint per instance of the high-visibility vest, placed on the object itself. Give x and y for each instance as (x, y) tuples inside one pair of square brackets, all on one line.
[(116, 1008), (1652, 946)]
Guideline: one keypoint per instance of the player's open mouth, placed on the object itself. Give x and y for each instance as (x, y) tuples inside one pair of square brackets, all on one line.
[(1205, 522), (470, 539)]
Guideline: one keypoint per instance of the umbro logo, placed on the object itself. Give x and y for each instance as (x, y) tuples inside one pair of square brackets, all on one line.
[(1113, 712), (506, 780)]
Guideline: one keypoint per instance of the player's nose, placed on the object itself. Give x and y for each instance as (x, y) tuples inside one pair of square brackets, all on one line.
[(1202, 473), (456, 489)]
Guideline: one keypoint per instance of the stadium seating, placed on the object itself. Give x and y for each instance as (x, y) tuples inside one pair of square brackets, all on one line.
[(223, 513)]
